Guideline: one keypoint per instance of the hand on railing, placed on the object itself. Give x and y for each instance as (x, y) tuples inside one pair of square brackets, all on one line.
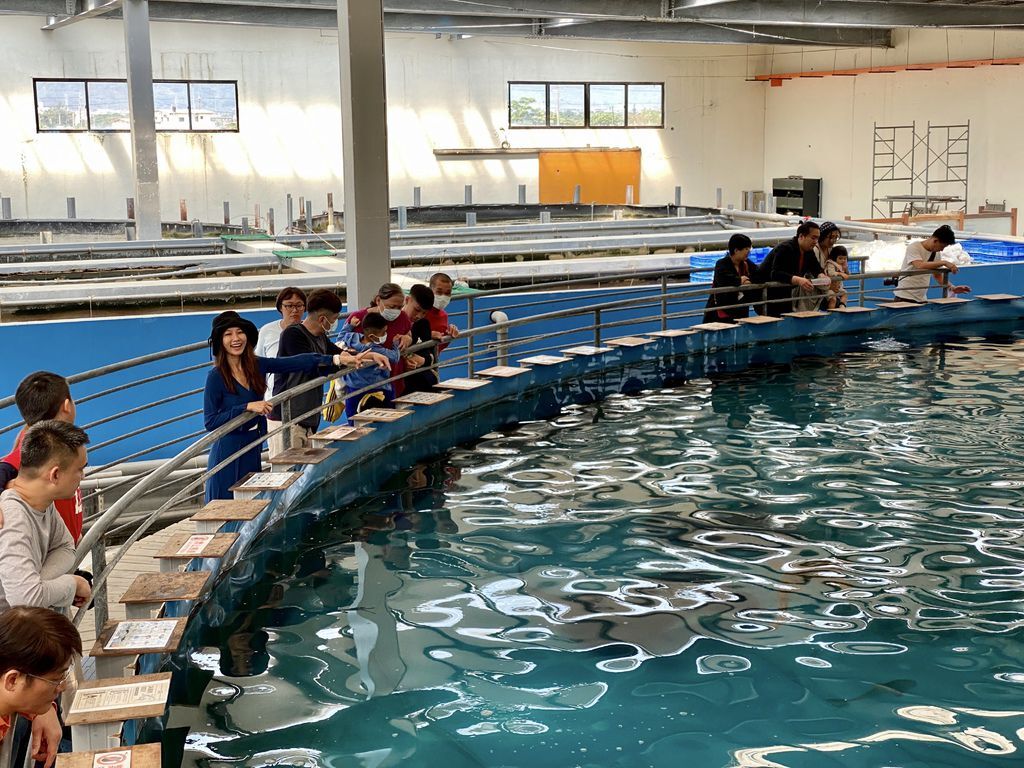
[(83, 592), (373, 358), (260, 407)]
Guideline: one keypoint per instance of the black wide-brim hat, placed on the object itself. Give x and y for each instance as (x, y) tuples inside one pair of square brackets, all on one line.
[(231, 319)]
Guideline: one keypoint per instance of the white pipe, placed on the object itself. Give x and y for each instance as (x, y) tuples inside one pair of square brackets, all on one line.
[(865, 226), (500, 319)]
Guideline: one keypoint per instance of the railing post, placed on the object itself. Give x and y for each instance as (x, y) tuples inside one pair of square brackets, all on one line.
[(664, 302), (286, 417), (471, 341), (99, 598), (597, 327), (91, 509)]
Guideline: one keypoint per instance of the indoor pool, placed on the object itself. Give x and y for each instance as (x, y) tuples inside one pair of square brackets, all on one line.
[(809, 564)]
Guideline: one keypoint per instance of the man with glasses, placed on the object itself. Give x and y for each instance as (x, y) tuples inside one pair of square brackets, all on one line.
[(38, 648), (291, 304)]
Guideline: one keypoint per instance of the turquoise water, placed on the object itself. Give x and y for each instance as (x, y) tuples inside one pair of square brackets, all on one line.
[(804, 565)]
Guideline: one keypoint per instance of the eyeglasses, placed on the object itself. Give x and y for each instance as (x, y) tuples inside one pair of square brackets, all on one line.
[(293, 305), (64, 680)]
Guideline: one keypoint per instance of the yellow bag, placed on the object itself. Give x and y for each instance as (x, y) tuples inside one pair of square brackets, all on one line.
[(334, 410)]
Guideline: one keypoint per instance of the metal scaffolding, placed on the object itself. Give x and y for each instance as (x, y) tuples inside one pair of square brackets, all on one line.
[(919, 171)]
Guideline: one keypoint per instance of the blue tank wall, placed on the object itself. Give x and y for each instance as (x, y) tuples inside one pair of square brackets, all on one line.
[(69, 346)]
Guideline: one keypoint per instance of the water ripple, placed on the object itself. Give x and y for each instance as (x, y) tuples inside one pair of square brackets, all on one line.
[(809, 564)]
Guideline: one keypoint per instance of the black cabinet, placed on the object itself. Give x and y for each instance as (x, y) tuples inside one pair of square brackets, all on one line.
[(797, 195)]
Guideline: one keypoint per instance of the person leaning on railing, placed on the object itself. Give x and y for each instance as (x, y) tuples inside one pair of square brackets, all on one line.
[(731, 271), (922, 254), (236, 384)]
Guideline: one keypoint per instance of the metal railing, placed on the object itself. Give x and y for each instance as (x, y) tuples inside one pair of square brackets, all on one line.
[(656, 303)]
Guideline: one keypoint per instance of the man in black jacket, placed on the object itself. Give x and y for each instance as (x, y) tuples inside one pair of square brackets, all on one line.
[(794, 263)]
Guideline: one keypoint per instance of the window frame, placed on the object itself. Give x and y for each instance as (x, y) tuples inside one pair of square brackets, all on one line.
[(586, 105), (88, 113)]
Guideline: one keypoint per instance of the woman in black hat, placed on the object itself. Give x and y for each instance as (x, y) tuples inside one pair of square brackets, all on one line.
[(236, 384)]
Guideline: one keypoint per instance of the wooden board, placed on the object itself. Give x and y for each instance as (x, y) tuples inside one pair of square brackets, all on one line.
[(294, 456), (671, 333), (805, 314), (628, 341), (218, 546), (948, 300), (998, 297), (462, 384), (852, 310), (164, 587), (545, 360), (758, 320), (715, 327), (99, 649), (266, 481), (120, 714), (586, 350), (383, 415), (602, 174), (503, 371), (230, 510), (341, 434), (899, 305), (424, 398), (143, 756)]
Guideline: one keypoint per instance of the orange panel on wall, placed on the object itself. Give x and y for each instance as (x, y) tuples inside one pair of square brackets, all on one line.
[(603, 176)]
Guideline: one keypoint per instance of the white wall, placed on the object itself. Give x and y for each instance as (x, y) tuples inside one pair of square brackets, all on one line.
[(442, 94), (823, 127)]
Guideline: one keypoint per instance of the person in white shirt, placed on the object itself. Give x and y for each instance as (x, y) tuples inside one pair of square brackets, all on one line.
[(291, 303), (922, 254)]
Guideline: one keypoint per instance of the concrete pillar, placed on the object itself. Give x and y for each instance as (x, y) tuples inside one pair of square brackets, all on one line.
[(364, 148), (139, 58)]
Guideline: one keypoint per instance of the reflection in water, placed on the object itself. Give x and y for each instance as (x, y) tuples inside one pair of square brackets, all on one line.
[(813, 564)]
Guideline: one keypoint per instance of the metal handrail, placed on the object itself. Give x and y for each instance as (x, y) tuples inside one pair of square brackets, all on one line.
[(150, 482)]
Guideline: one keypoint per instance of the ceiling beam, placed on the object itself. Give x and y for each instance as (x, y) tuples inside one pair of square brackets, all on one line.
[(92, 10), (717, 33), (853, 13), (310, 16), (876, 14)]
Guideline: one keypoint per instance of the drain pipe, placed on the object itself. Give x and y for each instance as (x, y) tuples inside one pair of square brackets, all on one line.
[(500, 319)]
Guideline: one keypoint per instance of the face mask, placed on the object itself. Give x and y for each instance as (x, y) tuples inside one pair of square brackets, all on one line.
[(441, 301), (390, 314), (329, 329), (376, 339)]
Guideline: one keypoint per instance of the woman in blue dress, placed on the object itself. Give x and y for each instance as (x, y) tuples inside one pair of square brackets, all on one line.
[(237, 383)]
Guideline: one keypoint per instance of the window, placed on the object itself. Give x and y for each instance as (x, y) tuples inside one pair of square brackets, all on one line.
[(586, 105), (214, 106), (568, 105), (60, 106), (108, 106), (608, 106), (170, 106), (102, 105), (527, 104)]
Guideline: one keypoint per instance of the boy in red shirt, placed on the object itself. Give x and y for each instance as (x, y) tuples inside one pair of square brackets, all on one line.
[(441, 284), (40, 396)]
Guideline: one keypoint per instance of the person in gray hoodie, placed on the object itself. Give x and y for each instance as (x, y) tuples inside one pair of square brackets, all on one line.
[(37, 552)]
